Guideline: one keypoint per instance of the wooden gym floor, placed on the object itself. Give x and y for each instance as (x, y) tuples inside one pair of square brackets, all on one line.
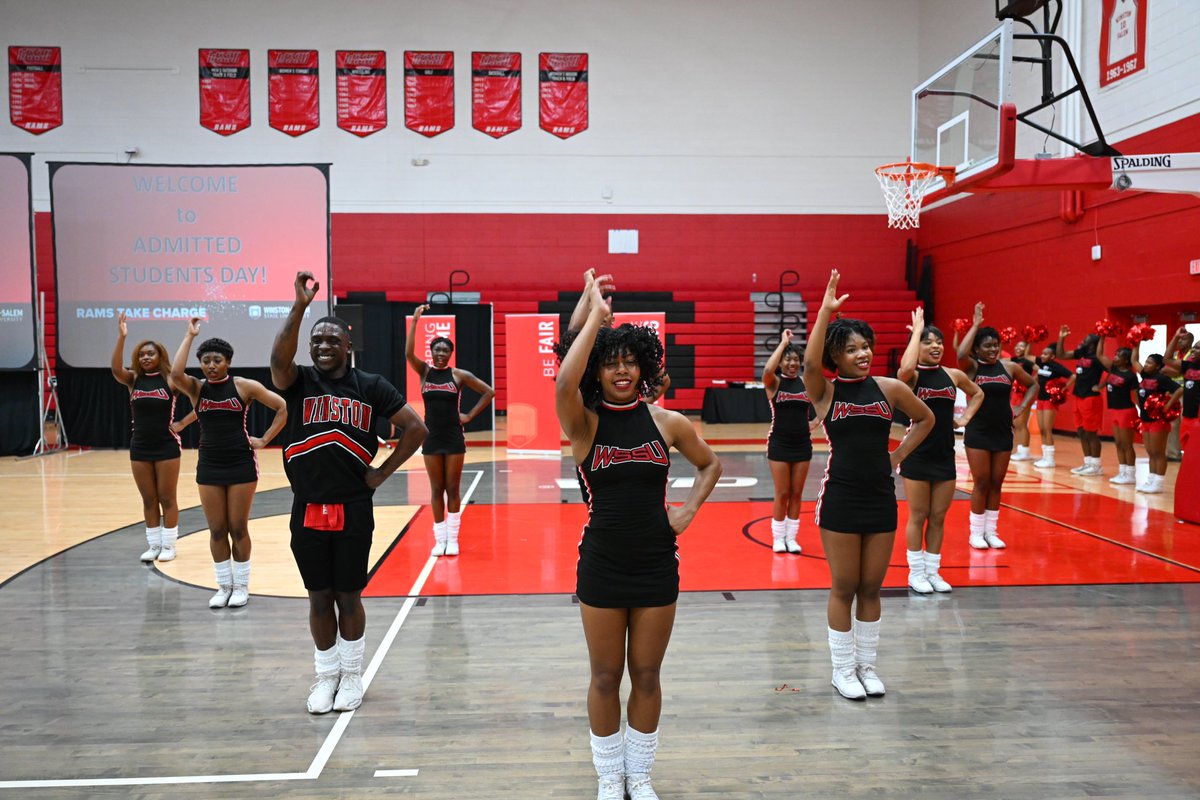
[(1061, 667)]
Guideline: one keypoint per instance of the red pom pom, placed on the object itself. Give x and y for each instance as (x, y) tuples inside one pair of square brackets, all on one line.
[(1018, 393), (1155, 407), (1040, 334), (1056, 390), (962, 325), (1139, 333), (1107, 327), (1008, 335)]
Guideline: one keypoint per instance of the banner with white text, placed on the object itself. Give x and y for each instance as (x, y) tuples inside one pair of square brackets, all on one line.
[(428, 91), (225, 90), (496, 93), (362, 91), (294, 96), (35, 98), (531, 367), (1122, 39), (563, 93)]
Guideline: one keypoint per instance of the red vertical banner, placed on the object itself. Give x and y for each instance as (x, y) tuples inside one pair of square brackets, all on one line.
[(225, 90), (531, 367), (1122, 39), (655, 320), (496, 93), (293, 102), (429, 328), (428, 92), (361, 91), (563, 93), (35, 101)]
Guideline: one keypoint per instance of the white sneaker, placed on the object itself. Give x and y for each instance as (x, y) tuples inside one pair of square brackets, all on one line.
[(919, 583), (1123, 478), (451, 548), (994, 541), (778, 545), (1151, 486), (320, 694), (1021, 455), (611, 787), (167, 553), (349, 692), (439, 549), (1082, 469), (151, 553), (1092, 471), (848, 685), (869, 680), (792, 545), (1044, 463), (239, 597), (221, 598), (638, 787), (977, 541), (938, 582)]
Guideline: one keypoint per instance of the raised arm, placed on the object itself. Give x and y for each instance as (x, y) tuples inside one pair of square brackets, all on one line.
[(122, 373), (283, 352), (410, 344), (253, 390), (770, 382), (410, 433), (815, 383), (912, 354), (580, 314), (180, 379), (568, 400), (1176, 350), (1060, 347), (1104, 360), (966, 361), (485, 392)]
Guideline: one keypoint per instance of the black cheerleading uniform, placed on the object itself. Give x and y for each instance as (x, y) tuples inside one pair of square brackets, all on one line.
[(1119, 389), (991, 428), (226, 458), (627, 556), (789, 439), (858, 493), (152, 408), (933, 458), (441, 395), (1048, 371)]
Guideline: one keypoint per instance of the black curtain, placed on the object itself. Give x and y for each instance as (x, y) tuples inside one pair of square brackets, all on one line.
[(19, 423)]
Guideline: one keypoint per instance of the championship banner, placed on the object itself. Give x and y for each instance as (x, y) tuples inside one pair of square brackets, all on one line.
[(1122, 39), (656, 320), (429, 328), (496, 93), (225, 90), (293, 102), (563, 93), (361, 91), (428, 92), (531, 367), (35, 102)]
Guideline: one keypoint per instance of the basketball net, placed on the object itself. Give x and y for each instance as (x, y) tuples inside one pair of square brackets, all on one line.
[(904, 186)]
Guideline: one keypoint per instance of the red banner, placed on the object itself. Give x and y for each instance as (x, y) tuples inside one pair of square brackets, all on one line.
[(496, 93), (563, 93), (35, 101), (1122, 39), (293, 102), (656, 320), (530, 368), (225, 90), (429, 328), (362, 91), (428, 92)]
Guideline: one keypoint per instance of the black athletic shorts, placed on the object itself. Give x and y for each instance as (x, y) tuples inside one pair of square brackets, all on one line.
[(334, 559)]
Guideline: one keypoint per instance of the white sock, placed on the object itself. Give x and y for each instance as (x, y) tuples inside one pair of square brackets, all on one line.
[(916, 561), (608, 755), (439, 532), (977, 523), (224, 570), (778, 529), (154, 536), (933, 562), (453, 523), (169, 536), (350, 655), (241, 573), (991, 518), (866, 642), (640, 749), (792, 526), (841, 649), (325, 662)]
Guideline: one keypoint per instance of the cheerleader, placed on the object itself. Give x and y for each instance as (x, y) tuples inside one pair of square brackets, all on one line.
[(1050, 370), (1089, 409), (1187, 366), (1120, 389), (789, 443), (1021, 421), (856, 510), (1155, 429), (929, 471)]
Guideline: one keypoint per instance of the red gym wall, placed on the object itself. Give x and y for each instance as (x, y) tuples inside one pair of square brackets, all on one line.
[(1015, 252)]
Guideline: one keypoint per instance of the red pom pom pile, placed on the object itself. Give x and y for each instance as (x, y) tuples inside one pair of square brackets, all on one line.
[(1057, 391), (1034, 333), (1139, 333), (1008, 335), (1108, 327), (1155, 407), (962, 325)]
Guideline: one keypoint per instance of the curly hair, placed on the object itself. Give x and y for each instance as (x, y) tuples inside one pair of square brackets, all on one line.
[(837, 337), (440, 340), (640, 341), (986, 332), (215, 345), (164, 361)]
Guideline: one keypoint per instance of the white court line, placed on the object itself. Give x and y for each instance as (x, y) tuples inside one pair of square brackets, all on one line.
[(331, 741), (396, 773)]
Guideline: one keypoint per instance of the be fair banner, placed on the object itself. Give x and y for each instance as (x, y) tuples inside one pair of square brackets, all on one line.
[(428, 92), (429, 328), (563, 93), (496, 93), (655, 320), (293, 82), (225, 90), (1122, 39), (35, 102), (362, 91), (531, 367)]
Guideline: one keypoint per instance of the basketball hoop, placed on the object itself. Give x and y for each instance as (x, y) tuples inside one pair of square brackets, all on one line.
[(904, 186)]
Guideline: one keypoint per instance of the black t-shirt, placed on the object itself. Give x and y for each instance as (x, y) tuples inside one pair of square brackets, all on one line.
[(1048, 371), (1155, 384), (330, 436), (1089, 373), (1121, 386), (1190, 371)]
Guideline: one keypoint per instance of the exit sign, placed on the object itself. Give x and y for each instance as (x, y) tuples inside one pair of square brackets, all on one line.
[(1194, 267)]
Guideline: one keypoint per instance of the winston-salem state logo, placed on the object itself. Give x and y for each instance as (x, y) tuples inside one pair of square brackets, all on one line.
[(142, 394), (879, 408), (606, 455), (783, 397), (985, 379), (945, 393), (449, 386), (232, 404)]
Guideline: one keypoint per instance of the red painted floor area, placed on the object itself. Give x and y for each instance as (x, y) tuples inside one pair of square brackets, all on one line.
[(1068, 538)]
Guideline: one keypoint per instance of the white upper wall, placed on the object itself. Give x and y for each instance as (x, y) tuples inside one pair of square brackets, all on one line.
[(697, 106)]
